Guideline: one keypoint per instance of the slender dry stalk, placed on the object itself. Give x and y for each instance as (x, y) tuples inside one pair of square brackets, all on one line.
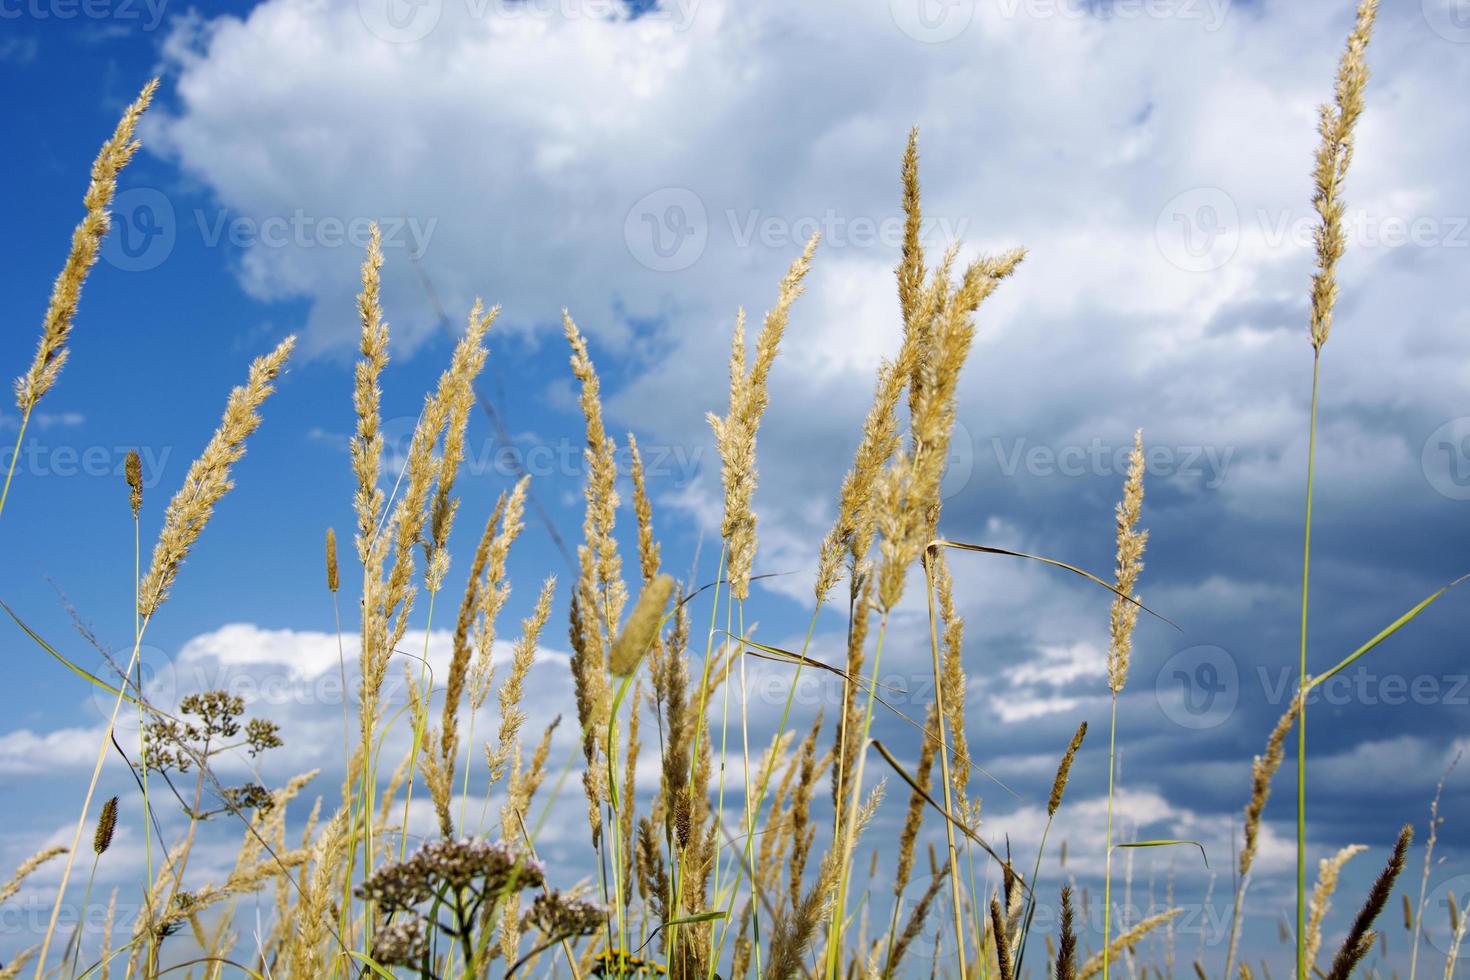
[(1434, 822), (915, 924), (86, 242), (1360, 937)]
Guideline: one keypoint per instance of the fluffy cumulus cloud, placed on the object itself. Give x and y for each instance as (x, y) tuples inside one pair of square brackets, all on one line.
[(655, 172)]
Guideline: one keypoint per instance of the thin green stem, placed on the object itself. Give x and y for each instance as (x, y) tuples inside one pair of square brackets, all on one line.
[(1301, 724), (14, 458)]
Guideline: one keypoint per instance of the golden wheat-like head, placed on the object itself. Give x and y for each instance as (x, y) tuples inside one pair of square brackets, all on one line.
[(333, 577), (208, 479), (1064, 771), (86, 242), (1335, 152), (1129, 564)]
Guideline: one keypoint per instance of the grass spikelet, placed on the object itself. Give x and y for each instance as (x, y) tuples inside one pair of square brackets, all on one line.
[(28, 868), (1360, 937), (1002, 940), (1452, 955), (1335, 124), (106, 827), (914, 818), (461, 398), (86, 242), (512, 690), (1329, 869), (1131, 542), (133, 471), (208, 479), (1064, 771), (648, 548), (1067, 947), (640, 631), (334, 580), (735, 434), (1126, 941)]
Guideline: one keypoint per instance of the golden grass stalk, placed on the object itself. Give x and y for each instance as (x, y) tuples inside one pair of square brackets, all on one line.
[(1125, 942), (1335, 127), (208, 479), (1329, 869), (648, 547), (1064, 771), (1360, 937), (512, 689), (26, 869), (735, 433), (86, 242), (1129, 563), (1335, 123), (915, 924)]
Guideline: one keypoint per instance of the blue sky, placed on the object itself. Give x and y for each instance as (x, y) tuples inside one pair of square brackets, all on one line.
[(652, 174)]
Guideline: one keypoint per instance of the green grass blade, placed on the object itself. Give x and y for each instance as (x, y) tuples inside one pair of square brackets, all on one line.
[(1386, 632)]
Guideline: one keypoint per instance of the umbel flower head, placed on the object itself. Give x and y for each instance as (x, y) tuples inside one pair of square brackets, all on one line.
[(469, 865), (562, 917)]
